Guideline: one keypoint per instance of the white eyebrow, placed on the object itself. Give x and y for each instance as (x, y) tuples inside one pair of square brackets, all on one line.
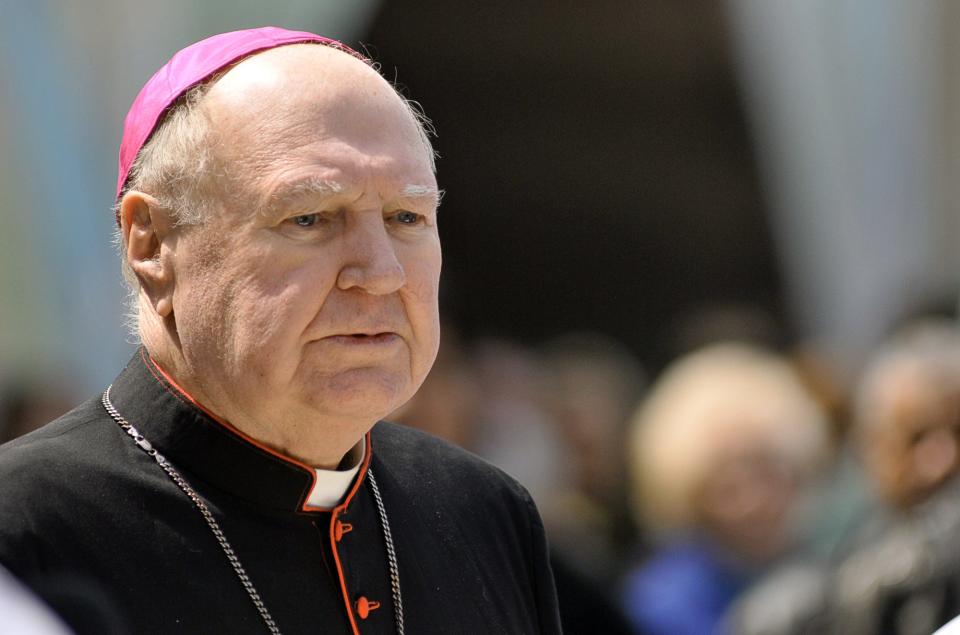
[(418, 191), (311, 186), (316, 187), (422, 191)]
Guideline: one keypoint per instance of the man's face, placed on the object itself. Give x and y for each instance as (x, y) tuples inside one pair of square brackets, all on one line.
[(312, 293), (915, 447)]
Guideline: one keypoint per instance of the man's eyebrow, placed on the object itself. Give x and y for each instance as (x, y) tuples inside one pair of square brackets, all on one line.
[(292, 191), (422, 191), (315, 187)]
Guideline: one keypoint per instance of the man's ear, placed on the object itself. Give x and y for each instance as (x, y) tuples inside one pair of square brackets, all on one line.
[(145, 225)]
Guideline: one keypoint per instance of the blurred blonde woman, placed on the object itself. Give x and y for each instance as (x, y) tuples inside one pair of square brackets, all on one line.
[(719, 452)]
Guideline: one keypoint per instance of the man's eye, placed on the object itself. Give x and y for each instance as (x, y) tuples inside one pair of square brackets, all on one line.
[(305, 220), (407, 218)]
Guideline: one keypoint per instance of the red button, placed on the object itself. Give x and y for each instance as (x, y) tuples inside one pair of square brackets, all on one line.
[(340, 528), (364, 606)]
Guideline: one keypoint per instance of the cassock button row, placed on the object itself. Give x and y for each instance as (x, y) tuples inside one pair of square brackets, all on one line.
[(341, 528), (364, 606)]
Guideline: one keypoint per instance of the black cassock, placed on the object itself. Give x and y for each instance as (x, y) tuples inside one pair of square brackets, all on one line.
[(79, 500)]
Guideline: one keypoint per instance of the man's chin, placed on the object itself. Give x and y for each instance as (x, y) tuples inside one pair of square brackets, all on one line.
[(360, 394)]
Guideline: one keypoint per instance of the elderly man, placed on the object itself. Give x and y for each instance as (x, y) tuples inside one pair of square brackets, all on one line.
[(278, 212)]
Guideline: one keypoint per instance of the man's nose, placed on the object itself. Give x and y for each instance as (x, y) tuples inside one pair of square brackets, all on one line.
[(370, 259)]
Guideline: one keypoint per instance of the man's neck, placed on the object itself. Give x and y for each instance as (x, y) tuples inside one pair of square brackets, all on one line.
[(304, 436)]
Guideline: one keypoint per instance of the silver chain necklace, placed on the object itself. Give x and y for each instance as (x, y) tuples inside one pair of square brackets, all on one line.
[(231, 555)]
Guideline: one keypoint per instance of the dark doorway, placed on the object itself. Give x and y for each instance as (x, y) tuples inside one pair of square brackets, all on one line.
[(598, 169)]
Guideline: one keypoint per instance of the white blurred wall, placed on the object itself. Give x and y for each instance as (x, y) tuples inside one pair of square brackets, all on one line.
[(68, 72), (854, 109)]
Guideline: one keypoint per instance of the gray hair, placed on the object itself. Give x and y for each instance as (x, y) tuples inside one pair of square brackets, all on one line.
[(177, 162), (173, 166)]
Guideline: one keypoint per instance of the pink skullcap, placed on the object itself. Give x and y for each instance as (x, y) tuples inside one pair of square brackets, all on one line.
[(190, 66)]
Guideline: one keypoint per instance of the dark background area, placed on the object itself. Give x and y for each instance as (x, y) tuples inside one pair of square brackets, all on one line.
[(597, 165)]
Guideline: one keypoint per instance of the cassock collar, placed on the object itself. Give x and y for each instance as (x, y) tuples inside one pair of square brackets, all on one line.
[(330, 486), (210, 448)]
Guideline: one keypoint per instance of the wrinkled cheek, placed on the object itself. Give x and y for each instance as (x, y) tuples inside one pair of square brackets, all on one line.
[(264, 335), (423, 311), (423, 278), (200, 314)]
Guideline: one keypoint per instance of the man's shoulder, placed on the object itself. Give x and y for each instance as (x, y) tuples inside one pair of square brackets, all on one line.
[(61, 438), (425, 453), (60, 453), (421, 460), (49, 479)]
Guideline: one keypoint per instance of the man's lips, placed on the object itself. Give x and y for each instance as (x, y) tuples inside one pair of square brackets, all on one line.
[(364, 339)]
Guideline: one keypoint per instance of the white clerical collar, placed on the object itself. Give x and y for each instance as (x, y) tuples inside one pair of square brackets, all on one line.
[(330, 486)]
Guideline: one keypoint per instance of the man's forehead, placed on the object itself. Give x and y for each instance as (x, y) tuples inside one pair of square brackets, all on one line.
[(343, 123), (294, 67), (297, 94)]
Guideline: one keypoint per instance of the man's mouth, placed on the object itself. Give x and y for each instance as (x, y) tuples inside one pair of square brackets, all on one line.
[(359, 339)]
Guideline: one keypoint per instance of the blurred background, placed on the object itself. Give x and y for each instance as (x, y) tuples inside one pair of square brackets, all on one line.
[(660, 216)]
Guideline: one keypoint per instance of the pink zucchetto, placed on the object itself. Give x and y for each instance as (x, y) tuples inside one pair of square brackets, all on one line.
[(190, 66)]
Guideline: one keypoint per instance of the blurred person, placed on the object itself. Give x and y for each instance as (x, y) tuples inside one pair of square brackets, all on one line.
[(720, 450), (26, 403), (907, 435), (840, 498), (492, 401), (277, 202), (898, 572), (950, 628), (23, 613), (593, 385), (908, 414), (79, 601), (515, 430), (447, 404)]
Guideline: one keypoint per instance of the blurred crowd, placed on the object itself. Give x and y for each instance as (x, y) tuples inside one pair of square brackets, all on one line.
[(741, 488)]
